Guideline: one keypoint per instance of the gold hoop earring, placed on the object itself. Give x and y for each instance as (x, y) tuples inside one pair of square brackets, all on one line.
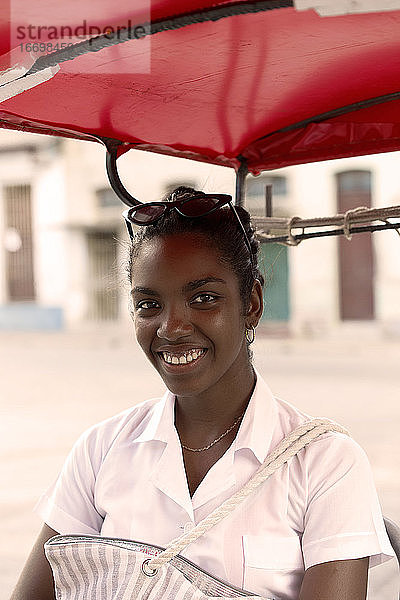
[(250, 334)]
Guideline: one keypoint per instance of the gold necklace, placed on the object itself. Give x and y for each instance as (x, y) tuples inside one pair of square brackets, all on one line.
[(216, 440)]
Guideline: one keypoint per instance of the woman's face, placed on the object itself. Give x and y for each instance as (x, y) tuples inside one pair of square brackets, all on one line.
[(187, 313)]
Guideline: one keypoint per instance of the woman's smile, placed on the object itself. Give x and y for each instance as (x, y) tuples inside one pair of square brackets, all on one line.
[(184, 357)]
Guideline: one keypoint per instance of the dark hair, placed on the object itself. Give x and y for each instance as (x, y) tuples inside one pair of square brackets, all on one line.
[(223, 232)]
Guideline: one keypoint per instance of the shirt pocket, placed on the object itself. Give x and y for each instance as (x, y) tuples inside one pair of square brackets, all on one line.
[(272, 565)]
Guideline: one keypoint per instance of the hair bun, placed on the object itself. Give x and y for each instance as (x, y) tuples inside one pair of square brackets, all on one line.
[(181, 192)]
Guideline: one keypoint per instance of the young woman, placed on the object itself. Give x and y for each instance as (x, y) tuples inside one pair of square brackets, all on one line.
[(154, 471)]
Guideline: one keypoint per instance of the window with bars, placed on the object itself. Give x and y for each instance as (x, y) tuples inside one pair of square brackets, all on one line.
[(19, 243), (256, 202), (256, 185), (103, 276)]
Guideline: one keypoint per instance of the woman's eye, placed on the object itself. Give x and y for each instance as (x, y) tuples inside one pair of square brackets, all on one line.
[(146, 304), (204, 299)]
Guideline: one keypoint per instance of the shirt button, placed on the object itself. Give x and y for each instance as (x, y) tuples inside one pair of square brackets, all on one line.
[(188, 527)]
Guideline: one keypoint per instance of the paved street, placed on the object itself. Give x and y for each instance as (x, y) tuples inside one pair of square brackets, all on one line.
[(54, 385)]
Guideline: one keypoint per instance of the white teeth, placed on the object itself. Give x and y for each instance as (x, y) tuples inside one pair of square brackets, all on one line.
[(184, 358)]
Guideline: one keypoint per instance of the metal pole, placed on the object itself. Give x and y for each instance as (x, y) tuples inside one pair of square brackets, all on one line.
[(240, 181), (112, 171), (268, 200)]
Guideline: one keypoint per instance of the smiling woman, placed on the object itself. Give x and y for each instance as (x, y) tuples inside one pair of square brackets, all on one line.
[(165, 466), (195, 305)]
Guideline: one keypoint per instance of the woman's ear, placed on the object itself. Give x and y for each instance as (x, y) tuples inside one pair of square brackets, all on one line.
[(256, 305)]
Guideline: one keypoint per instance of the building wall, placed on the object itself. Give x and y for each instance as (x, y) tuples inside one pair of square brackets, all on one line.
[(315, 264), (67, 176)]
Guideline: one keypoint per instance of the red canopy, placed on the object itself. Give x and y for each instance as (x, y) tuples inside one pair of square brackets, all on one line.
[(251, 86)]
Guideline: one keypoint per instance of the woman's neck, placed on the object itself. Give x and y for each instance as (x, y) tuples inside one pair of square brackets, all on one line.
[(216, 407)]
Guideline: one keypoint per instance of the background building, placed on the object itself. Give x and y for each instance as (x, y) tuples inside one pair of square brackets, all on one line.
[(62, 256)]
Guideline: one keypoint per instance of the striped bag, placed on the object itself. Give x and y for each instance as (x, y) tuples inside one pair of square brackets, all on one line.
[(101, 568)]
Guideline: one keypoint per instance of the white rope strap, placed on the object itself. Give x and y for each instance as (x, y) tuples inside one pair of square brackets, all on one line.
[(295, 441), (346, 220), (291, 239), (356, 216)]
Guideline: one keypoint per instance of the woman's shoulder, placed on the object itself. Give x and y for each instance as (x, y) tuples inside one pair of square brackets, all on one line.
[(332, 461), (332, 444), (129, 422)]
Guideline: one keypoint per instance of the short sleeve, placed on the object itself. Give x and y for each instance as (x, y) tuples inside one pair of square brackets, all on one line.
[(343, 518), (68, 506)]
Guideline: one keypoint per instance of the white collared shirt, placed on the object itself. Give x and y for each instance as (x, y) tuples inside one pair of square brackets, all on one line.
[(125, 478)]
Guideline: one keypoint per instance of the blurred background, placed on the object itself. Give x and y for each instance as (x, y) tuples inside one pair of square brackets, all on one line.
[(329, 340)]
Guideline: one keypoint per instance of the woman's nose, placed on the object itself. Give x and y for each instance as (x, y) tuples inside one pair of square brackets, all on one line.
[(174, 324)]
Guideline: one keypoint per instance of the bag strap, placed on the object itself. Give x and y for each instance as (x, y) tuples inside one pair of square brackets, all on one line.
[(295, 441)]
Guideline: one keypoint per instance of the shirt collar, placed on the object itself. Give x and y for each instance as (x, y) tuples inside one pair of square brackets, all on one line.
[(255, 431), (258, 423), (161, 423)]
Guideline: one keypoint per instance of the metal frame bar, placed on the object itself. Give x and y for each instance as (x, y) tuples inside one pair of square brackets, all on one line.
[(112, 147), (284, 239), (241, 175), (112, 172)]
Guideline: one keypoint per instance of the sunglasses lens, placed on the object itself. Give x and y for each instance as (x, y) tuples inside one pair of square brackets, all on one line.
[(195, 207), (146, 214)]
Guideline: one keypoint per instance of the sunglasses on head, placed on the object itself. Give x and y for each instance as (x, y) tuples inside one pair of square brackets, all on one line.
[(193, 207)]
